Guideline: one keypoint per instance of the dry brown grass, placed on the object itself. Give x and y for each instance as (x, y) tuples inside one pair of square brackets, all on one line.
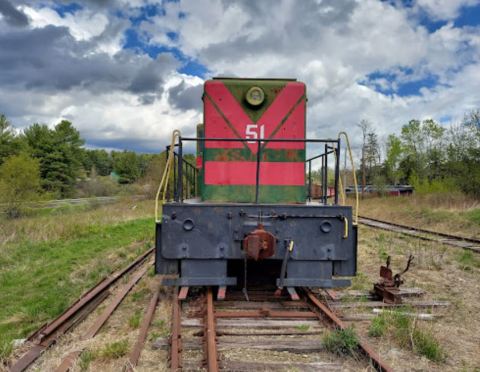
[(451, 213), (73, 222), (439, 271)]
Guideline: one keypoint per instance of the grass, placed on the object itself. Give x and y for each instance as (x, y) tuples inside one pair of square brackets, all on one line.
[(134, 320), (468, 260), (445, 212), (40, 278), (407, 334), (114, 350), (86, 358), (341, 341), (361, 282), (303, 327)]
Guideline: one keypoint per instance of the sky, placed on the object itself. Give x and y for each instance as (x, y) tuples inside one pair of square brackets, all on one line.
[(127, 73)]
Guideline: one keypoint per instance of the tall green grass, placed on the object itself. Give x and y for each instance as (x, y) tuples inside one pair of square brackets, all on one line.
[(38, 280)]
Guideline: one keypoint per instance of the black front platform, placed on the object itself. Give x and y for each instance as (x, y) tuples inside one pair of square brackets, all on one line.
[(198, 241)]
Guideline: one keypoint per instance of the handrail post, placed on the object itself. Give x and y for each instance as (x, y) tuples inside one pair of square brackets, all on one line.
[(257, 176), (325, 191), (175, 188), (337, 169), (180, 170), (309, 180)]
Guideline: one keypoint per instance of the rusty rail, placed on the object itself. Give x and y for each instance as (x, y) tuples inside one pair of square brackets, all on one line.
[(68, 361), (142, 334), (210, 334), (443, 238), (325, 312), (175, 338), (44, 337)]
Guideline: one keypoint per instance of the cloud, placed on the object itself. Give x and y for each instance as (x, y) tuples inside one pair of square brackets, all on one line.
[(186, 97), (12, 15), (356, 58), (49, 58), (443, 9)]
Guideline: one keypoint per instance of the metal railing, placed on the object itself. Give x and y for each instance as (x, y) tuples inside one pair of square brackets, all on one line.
[(185, 173)]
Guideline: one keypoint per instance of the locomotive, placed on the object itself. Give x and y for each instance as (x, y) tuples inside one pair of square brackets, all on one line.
[(243, 214)]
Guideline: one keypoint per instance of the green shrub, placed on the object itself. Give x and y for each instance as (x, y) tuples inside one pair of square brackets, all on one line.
[(341, 341), (19, 184)]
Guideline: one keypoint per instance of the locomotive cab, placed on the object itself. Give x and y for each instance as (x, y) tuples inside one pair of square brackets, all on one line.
[(244, 213)]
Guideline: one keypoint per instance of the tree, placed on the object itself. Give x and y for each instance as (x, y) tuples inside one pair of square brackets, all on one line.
[(98, 159), (126, 165), (59, 152), (365, 128), (372, 155), (10, 144), (423, 144), (19, 183), (394, 153)]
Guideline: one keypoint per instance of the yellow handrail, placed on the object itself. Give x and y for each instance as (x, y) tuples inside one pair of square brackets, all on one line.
[(355, 222), (162, 188)]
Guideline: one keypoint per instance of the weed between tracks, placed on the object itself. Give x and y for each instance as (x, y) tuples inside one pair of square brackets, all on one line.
[(341, 341), (407, 333)]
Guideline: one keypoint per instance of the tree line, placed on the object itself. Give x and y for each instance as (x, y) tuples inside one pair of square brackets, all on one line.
[(52, 163), (45, 162), (425, 154)]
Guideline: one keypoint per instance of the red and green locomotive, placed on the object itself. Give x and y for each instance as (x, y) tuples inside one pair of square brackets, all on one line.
[(251, 218)]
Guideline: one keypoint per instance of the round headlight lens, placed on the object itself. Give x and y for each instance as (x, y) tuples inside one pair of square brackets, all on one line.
[(255, 96)]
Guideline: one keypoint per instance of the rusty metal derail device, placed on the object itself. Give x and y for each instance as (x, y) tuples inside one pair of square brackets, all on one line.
[(388, 288)]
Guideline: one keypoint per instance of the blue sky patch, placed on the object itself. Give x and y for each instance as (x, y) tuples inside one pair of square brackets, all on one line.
[(400, 83), (190, 66), (469, 16), (64, 9)]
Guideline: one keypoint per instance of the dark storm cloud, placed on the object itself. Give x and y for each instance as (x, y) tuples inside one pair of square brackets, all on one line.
[(50, 59), (13, 16), (186, 97)]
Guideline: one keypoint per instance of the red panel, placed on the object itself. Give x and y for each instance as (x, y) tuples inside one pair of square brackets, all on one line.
[(243, 173), (215, 125), (294, 126)]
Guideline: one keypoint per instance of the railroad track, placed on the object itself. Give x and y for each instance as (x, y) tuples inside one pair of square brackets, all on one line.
[(443, 238), (263, 324), (50, 333), (281, 332)]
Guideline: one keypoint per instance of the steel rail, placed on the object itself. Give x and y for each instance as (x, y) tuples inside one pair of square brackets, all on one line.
[(210, 334), (69, 360), (452, 240), (142, 334), (48, 334), (175, 338), (325, 311)]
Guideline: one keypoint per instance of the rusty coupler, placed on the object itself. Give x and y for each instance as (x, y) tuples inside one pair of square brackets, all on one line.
[(388, 288), (259, 244)]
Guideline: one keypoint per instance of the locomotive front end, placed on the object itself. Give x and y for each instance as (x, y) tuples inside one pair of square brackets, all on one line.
[(244, 214)]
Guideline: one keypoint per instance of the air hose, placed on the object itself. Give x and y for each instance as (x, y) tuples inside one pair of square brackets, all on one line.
[(163, 187)]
